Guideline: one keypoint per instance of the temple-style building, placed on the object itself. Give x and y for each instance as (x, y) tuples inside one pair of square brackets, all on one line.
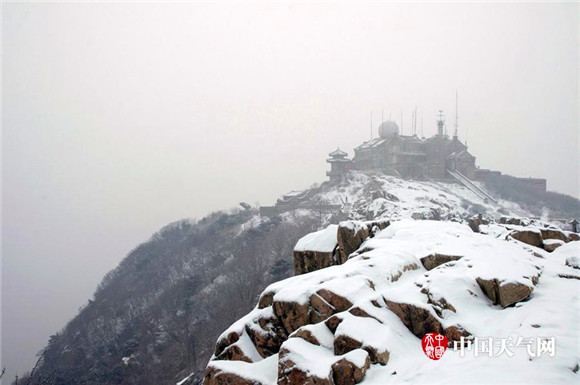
[(339, 164)]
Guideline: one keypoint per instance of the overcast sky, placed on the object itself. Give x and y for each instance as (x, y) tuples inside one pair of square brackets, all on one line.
[(120, 118)]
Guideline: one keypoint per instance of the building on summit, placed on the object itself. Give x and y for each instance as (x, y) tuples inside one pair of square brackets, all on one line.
[(407, 156)]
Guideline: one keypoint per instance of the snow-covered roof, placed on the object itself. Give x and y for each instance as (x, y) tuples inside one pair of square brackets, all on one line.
[(338, 153), (461, 154), (374, 143)]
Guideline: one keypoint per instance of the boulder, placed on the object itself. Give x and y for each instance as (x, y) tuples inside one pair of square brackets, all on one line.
[(504, 294), (268, 337), (455, 332), (316, 250), (346, 372), (306, 335), (320, 308), (233, 353), (574, 236), (344, 344), (338, 302), (291, 374), (292, 314), (552, 244), (531, 237), (377, 356), (333, 322), (476, 221), (433, 260), (266, 299), (381, 224), (215, 376), (418, 320), (504, 220), (554, 234), (225, 341), (351, 234), (306, 261)]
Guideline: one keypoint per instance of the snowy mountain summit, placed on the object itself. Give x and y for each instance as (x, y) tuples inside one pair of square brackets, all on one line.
[(503, 291)]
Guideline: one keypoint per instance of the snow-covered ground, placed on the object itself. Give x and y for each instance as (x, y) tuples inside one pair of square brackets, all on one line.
[(368, 197), (365, 296)]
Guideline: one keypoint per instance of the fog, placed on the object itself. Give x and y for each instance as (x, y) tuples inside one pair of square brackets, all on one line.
[(120, 118)]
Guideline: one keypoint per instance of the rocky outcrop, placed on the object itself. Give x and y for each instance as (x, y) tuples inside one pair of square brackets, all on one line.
[(505, 220), (289, 373), (418, 320), (346, 372), (504, 294), (268, 337), (530, 237), (351, 234), (554, 234), (476, 221), (331, 326), (552, 244), (333, 245), (306, 261), (433, 260), (316, 251), (215, 376), (292, 314), (421, 321)]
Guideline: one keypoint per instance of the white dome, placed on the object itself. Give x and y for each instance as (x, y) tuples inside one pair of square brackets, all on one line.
[(388, 129)]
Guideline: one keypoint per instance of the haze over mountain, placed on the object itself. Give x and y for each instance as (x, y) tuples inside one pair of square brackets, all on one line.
[(120, 118)]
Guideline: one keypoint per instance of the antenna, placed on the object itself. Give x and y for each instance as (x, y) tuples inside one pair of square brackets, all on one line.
[(456, 113), (371, 124), (415, 122), (440, 124), (401, 121), (422, 136)]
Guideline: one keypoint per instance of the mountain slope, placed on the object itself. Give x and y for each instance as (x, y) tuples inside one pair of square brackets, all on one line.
[(156, 317)]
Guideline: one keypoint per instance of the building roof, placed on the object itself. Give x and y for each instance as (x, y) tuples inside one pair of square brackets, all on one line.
[(338, 153), (338, 160), (374, 143), (461, 154)]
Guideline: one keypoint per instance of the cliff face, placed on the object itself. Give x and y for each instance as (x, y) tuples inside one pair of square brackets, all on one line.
[(362, 321), (156, 317)]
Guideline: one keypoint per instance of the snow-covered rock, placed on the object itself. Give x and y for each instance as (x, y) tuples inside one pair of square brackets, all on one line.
[(361, 321)]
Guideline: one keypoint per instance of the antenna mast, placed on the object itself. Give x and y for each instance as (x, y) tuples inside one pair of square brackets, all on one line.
[(401, 121), (456, 113), (371, 124)]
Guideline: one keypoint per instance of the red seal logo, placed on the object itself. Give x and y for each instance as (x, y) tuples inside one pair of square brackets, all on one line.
[(434, 345)]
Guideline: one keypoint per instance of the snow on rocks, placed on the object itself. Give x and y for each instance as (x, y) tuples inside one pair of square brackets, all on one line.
[(315, 251), (362, 320), (333, 245), (552, 244)]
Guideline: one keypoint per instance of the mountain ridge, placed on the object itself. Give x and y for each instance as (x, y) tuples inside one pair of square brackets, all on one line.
[(155, 318)]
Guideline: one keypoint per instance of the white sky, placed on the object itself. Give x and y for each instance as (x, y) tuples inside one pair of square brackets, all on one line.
[(119, 118)]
